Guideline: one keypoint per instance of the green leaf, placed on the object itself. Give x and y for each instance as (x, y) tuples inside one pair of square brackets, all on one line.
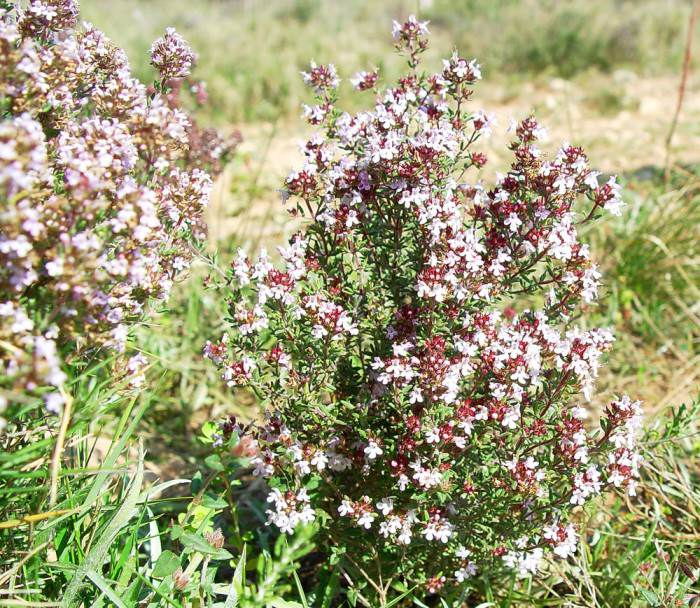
[(155, 490), (116, 449), (650, 597), (278, 602), (300, 589), (396, 600), (214, 462), (176, 531), (196, 483), (208, 429), (331, 591), (167, 563), (237, 582), (214, 502), (197, 543)]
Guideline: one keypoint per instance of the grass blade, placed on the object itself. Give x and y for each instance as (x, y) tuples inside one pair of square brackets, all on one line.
[(95, 558), (104, 586)]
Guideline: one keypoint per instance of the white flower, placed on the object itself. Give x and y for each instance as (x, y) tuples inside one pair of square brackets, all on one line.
[(440, 531), (404, 538), (373, 450), (319, 460), (615, 204), (346, 508), (432, 436), (465, 572), (385, 505), (526, 562), (562, 538), (462, 552), (365, 520)]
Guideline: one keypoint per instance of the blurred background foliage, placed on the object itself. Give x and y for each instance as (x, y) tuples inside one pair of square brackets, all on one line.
[(251, 51)]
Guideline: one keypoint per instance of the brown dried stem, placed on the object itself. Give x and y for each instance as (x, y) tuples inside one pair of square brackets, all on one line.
[(681, 87)]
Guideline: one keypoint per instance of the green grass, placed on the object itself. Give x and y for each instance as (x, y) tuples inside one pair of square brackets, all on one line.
[(651, 274), (653, 251)]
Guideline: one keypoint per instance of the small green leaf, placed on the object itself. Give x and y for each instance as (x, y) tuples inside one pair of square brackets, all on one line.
[(278, 602), (196, 484), (167, 563), (214, 462), (650, 597), (176, 531), (208, 429), (214, 502), (197, 543)]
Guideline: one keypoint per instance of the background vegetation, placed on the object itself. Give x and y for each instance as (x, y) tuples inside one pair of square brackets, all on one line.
[(251, 51)]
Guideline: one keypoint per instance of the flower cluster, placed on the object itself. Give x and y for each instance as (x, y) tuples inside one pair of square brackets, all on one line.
[(172, 56), (421, 346), (102, 195), (43, 18), (289, 509)]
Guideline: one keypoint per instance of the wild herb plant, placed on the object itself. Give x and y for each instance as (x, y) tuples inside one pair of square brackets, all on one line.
[(422, 351), (103, 186)]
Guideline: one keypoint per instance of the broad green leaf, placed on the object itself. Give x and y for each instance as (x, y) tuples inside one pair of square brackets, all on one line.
[(167, 563)]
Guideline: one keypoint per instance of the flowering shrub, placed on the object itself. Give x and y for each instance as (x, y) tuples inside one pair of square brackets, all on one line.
[(420, 350), (102, 184)]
